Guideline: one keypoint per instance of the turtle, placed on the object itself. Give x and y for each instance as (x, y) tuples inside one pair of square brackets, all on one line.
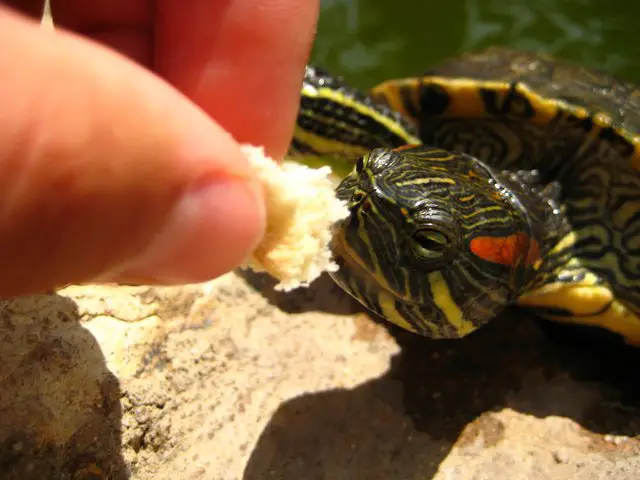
[(494, 179)]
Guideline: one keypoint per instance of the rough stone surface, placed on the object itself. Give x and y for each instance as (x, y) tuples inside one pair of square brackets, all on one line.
[(231, 380)]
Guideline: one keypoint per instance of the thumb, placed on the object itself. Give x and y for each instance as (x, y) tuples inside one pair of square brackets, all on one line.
[(106, 172)]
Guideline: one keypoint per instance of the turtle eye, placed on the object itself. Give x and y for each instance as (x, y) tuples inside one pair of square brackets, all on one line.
[(430, 243), (360, 164)]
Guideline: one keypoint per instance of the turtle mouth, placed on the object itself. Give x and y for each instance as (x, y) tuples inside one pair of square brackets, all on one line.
[(351, 265), (354, 276)]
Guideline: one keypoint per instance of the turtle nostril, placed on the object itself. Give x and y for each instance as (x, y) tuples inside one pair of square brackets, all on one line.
[(357, 198)]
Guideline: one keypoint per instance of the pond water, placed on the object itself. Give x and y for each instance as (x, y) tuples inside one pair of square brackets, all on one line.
[(370, 40)]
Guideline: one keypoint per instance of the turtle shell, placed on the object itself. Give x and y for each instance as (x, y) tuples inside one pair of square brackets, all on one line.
[(580, 128)]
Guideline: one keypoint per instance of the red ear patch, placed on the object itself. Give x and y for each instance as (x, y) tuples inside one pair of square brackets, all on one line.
[(512, 250)]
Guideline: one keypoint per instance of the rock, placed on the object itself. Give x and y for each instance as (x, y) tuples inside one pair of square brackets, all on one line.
[(561, 456), (232, 380)]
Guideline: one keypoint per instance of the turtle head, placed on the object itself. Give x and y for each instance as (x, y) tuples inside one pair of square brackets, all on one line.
[(436, 242)]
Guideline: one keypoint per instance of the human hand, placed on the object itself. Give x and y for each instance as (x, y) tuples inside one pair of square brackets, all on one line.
[(107, 172)]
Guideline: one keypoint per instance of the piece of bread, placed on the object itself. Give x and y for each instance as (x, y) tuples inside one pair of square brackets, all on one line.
[(301, 211)]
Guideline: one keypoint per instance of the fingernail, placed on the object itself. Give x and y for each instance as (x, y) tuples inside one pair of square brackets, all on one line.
[(213, 228)]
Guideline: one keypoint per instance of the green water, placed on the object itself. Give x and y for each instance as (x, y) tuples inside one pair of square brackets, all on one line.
[(369, 40)]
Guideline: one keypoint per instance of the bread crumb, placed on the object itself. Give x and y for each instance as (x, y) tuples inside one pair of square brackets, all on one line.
[(301, 211)]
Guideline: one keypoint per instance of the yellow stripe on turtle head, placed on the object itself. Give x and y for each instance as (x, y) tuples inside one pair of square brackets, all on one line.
[(447, 305), (388, 306)]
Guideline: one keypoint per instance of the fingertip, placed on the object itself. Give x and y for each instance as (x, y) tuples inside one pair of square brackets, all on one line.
[(242, 61)]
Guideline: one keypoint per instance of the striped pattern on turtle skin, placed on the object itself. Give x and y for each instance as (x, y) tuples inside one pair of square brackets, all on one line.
[(512, 112), (337, 120), (439, 241)]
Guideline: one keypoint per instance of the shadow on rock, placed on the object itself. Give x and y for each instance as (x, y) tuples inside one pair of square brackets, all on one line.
[(323, 295), (403, 424), (60, 408)]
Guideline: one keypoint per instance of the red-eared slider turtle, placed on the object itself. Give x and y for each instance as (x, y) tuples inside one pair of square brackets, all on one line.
[(497, 178)]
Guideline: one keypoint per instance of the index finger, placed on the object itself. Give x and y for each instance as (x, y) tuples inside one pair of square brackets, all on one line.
[(242, 61)]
